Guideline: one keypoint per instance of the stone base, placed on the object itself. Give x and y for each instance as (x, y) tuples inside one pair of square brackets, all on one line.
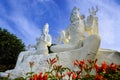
[(65, 58)]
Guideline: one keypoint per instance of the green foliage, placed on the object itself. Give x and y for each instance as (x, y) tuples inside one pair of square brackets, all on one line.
[(10, 47)]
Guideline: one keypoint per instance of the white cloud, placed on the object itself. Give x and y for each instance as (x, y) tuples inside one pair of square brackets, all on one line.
[(26, 27), (109, 18), (22, 26), (109, 23)]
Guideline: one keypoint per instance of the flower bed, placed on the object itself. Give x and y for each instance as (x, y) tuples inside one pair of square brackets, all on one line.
[(86, 70)]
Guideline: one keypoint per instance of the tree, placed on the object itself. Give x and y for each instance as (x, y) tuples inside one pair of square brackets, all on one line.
[(10, 47)]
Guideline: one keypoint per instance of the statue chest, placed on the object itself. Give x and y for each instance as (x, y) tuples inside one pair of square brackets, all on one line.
[(77, 28)]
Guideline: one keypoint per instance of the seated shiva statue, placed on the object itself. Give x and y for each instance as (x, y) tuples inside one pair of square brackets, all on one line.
[(74, 33), (40, 48), (73, 41)]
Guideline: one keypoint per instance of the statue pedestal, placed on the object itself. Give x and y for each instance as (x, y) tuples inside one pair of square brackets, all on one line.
[(65, 58), (108, 56)]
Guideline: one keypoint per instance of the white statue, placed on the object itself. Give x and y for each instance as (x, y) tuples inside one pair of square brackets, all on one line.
[(45, 37), (40, 48), (44, 41), (74, 33), (62, 38), (92, 22)]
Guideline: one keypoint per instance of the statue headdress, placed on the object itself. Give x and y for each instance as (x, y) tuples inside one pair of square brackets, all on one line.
[(75, 10), (75, 14)]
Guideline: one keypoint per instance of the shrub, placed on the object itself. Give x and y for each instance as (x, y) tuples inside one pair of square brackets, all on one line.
[(10, 47)]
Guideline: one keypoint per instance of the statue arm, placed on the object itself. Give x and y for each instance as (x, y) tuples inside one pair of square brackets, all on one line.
[(64, 39), (67, 35), (49, 40), (31, 46)]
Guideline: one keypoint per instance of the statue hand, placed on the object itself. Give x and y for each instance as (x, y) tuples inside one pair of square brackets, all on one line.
[(65, 41)]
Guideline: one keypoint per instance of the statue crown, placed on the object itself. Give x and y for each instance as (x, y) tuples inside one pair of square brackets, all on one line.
[(75, 9)]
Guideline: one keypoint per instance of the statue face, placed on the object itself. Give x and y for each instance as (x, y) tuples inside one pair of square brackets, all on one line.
[(46, 26), (62, 32), (74, 18), (75, 15), (45, 29)]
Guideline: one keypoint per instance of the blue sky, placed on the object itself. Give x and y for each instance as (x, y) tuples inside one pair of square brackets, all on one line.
[(25, 18)]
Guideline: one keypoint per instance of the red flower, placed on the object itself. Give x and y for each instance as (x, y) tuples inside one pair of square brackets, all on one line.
[(31, 78), (74, 75), (57, 75), (45, 76), (80, 64), (52, 61), (104, 66), (78, 76), (76, 63), (40, 76), (69, 73), (57, 67), (98, 77), (35, 77), (31, 64), (97, 67), (113, 66)]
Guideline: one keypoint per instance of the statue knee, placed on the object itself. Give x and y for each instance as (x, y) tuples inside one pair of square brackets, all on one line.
[(92, 43)]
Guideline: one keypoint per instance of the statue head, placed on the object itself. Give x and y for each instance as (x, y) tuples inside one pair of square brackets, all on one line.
[(46, 28), (75, 14), (63, 33)]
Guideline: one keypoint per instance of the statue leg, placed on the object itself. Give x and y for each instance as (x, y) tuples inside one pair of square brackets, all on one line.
[(91, 45), (62, 47), (3, 74), (19, 60), (21, 57)]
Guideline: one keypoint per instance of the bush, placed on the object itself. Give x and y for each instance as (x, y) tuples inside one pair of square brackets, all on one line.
[(10, 47)]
